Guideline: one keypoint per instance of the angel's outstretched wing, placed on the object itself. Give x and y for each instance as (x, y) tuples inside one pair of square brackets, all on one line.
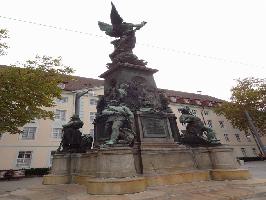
[(107, 28), (115, 17)]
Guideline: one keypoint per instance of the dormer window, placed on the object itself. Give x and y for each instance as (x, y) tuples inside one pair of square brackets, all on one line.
[(61, 85), (173, 99), (186, 101), (198, 102)]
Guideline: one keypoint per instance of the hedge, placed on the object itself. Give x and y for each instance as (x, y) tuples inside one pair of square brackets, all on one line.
[(36, 171)]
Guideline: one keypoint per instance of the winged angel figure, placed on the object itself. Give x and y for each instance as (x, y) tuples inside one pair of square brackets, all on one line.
[(124, 45)]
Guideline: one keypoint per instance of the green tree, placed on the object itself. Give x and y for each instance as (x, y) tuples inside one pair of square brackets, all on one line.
[(27, 90), (3, 45), (248, 95)]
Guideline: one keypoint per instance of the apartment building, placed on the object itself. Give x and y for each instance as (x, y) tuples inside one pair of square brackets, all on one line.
[(34, 148)]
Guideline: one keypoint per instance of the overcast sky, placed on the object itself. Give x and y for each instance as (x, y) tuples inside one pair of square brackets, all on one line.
[(197, 45)]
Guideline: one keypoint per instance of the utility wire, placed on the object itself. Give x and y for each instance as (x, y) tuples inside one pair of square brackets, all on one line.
[(143, 44), (53, 27)]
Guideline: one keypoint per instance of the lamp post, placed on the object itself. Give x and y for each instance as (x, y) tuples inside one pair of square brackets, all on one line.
[(201, 112), (255, 133), (77, 100)]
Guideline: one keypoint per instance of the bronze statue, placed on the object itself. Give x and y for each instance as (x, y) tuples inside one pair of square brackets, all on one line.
[(72, 139), (124, 45), (196, 133), (119, 120)]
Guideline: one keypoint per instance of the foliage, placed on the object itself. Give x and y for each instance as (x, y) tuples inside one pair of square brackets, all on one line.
[(248, 95), (26, 91), (3, 45)]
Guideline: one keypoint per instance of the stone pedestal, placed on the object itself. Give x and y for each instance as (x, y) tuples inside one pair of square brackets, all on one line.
[(222, 157), (61, 164), (164, 160), (88, 164), (114, 170), (202, 158), (115, 162), (219, 157), (61, 170)]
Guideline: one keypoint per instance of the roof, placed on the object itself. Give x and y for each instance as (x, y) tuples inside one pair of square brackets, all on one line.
[(79, 83), (187, 95), (82, 82)]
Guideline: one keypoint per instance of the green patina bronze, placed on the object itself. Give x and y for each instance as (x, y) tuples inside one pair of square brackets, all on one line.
[(196, 133), (125, 44)]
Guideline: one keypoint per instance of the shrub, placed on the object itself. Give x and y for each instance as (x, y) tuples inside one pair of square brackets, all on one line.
[(36, 171)]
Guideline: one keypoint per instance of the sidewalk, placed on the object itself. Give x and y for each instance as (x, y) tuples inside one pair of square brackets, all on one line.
[(253, 189)]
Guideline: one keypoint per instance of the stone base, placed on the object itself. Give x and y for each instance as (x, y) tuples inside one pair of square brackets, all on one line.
[(229, 174), (222, 157), (177, 178), (113, 170), (130, 185), (115, 162), (55, 179), (219, 157), (112, 186), (166, 159), (115, 185)]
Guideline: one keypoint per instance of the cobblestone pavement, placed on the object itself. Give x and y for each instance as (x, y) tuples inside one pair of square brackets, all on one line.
[(253, 189), (9, 186)]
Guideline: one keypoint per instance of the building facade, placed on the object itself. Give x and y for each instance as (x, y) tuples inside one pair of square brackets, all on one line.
[(34, 148)]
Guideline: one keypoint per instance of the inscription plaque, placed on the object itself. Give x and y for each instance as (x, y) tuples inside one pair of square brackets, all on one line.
[(154, 127)]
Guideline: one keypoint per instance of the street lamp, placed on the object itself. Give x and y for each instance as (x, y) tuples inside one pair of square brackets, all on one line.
[(77, 99), (255, 133)]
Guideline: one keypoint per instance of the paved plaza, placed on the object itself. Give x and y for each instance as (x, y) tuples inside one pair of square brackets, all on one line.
[(253, 189)]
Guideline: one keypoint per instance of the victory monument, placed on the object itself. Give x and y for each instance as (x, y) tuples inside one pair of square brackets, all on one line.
[(136, 141)]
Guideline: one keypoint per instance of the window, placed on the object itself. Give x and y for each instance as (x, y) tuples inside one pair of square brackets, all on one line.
[(60, 114), (24, 159), (92, 131), (221, 123), (93, 101), (61, 85), (186, 101), (198, 102), (173, 99), (244, 152), (206, 112), (226, 137), (92, 116), (57, 133), (209, 123), (238, 137), (28, 133), (193, 112), (62, 100), (254, 151), (248, 137), (51, 157), (91, 93)]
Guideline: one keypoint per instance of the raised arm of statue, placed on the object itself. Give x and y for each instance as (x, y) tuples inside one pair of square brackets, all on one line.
[(139, 26)]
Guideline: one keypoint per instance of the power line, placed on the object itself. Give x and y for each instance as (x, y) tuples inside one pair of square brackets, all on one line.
[(188, 53), (53, 27)]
